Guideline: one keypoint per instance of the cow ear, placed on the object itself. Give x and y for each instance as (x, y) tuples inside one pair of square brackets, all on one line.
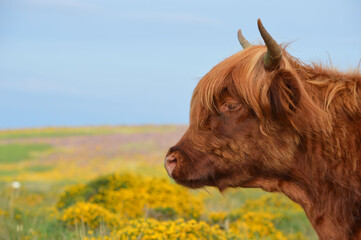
[(284, 95)]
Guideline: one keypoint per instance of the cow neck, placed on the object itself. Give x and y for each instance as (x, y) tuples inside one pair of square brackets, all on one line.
[(311, 185)]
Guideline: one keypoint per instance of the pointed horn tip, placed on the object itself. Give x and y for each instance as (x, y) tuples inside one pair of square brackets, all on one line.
[(239, 34), (260, 24), (259, 21), (274, 52), (242, 40)]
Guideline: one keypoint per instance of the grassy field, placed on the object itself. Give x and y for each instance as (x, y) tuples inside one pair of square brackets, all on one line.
[(109, 183)]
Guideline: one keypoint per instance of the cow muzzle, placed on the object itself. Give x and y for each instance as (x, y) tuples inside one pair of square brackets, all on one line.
[(170, 162)]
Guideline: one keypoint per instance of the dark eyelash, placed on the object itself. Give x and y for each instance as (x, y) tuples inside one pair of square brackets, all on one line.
[(232, 106)]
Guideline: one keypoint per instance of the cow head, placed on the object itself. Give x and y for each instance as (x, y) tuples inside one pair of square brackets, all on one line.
[(246, 120)]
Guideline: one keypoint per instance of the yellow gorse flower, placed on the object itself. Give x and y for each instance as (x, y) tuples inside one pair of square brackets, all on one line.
[(151, 229), (89, 215), (132, 196), (130, 206)]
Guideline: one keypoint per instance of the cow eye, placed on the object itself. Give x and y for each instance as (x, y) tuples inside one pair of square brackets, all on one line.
[(230, 106)]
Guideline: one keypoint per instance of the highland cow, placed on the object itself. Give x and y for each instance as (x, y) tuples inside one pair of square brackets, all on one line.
[(262, 118)]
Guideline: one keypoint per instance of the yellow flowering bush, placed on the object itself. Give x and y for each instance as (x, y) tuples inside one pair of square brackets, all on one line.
[(155, 197), (122, 201), (170, 200), (71, 195), (257, 225), (131, 196), (97, 188), (89, 215), (271, 203), (257, 218), (217, 217), (151, 229)]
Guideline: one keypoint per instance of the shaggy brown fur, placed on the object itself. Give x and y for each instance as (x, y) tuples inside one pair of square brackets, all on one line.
[(296, 130)]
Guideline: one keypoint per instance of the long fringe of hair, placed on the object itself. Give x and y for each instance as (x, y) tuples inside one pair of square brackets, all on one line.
[(252, 83)]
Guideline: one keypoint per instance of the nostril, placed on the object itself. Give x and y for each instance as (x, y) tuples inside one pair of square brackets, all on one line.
[(170, 163)]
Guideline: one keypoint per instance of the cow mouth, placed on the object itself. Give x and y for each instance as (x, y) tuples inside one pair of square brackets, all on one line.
[(196, 183)]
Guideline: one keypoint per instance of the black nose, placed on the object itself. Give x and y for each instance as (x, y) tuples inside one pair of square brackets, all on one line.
[(170, 162)]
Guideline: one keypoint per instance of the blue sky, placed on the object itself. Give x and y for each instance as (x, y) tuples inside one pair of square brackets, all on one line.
[(77, 62)]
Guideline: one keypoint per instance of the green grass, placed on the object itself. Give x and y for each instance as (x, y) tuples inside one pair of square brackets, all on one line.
[(34, 221), (9, 173), (14, 153)]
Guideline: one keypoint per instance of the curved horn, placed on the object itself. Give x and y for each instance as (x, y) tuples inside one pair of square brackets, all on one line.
[(244, 43), (273, 56)]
